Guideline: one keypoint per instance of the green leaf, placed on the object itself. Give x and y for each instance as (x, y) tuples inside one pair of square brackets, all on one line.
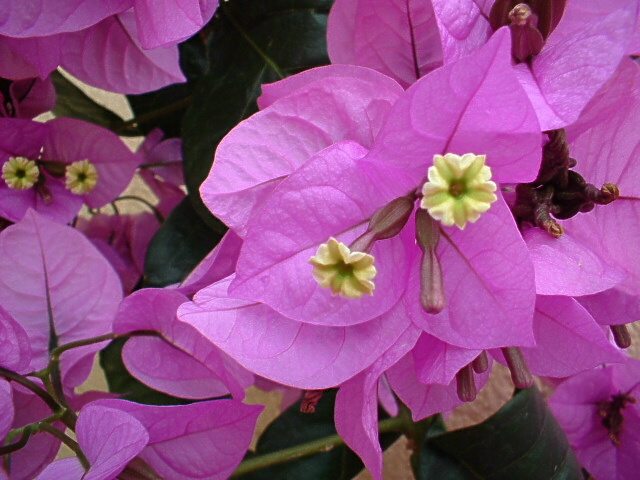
[(293, 428), (165, 108), (120, 380), (252, 43), (179, 245), (521, 441), (72, 102)]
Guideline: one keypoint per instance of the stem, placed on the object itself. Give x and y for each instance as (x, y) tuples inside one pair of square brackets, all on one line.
[(155, 211), (250, 41), (35, 388), (73, 445), (58, 351), (146, 117), (13, 447), (316, 446)]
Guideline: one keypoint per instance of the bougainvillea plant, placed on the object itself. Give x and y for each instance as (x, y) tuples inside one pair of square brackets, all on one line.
[(363, 207)]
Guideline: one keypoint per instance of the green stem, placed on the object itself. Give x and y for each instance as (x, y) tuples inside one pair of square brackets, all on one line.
[(73, 445), (35, 388), (325, 444), (58, 351), (24, 438), (250, 41)]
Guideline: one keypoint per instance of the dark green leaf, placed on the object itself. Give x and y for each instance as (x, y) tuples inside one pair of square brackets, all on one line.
[(72, 102), (522, 441), (179, 245), (165, 108), (120, 380), (253, 42), (293, 428)]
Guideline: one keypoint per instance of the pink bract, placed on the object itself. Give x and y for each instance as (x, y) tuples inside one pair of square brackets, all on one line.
[(57, 285), (205, 440), (63, 140), (349, 151), (577, 404), (182, 362)]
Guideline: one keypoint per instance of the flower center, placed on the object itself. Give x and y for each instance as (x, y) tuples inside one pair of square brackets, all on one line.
[(459, 189), (81, 177), (20, 173), (348, 274)]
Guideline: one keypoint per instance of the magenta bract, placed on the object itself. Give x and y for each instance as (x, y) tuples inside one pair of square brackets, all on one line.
[(57, 285), (583, 402)]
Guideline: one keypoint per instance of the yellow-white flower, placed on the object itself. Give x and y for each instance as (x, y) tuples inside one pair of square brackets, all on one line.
[(459, 189), (81, 177), (348, 274), (20, 173)]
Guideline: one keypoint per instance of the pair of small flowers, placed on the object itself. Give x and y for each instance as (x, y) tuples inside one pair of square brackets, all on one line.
[(459, 190), (20, 173)]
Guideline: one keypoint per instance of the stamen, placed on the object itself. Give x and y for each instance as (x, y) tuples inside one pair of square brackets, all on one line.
[(432, 296), (81, 177), (20, 173), (459, 189), (520, 374), (466, 384), (348, 274)]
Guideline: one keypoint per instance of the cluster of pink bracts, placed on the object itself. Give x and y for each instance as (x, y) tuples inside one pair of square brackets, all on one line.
[(459, 187)]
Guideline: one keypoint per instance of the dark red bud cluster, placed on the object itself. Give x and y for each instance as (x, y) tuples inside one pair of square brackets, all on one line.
[(611, 413), (558, 192)]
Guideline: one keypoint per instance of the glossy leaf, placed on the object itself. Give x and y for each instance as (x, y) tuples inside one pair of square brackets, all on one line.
[(523, 440), (165, 108), (71, 101), (293, 428), (179, 245), (252, 43)]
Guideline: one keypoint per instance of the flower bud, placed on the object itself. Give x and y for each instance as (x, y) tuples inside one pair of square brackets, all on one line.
[(621, 335), (520, 374), (466, 384), (481, 363), (432, 296)]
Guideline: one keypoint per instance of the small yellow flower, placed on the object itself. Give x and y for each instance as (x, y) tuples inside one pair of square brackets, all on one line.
[(80, 177), (459, 189), (346, 273), (20, 173)]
